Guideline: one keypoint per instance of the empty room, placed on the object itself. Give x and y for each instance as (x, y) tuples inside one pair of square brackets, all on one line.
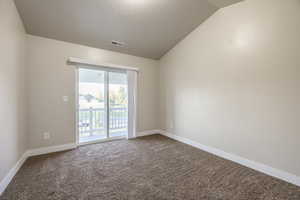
[(150, 100)]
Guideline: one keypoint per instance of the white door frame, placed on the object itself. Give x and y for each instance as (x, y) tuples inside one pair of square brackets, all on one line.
[(106, 85)]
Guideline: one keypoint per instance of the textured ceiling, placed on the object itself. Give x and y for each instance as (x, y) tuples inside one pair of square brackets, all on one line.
[(149, 28)]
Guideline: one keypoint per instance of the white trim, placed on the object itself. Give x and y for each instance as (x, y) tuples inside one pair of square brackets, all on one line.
[(106, 94), (45, 150), (132, 81), (7, 179), (81, 61), (51, 149), (139, 134), (291, 178), (106, 103), (148, 132), (33, 152), (102, 140), (77, 105), (280, 174)]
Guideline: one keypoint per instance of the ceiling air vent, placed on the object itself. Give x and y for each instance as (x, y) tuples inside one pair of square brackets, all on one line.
[(117, 43)]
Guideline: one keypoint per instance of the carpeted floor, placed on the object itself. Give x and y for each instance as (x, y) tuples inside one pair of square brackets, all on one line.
[(152, 168)]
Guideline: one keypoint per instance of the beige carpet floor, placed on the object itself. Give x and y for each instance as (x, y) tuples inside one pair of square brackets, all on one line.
[(152, 168)]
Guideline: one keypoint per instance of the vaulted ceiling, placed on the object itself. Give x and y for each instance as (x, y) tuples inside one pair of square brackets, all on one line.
[(148, 28)]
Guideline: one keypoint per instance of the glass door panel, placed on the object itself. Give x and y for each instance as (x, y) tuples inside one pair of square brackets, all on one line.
[(92, 111), (118, 104)]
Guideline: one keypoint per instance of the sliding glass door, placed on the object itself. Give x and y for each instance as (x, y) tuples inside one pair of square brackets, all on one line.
[(118, 104), (103, 105)]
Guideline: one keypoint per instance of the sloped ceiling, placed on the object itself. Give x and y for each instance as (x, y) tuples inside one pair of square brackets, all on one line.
[(223, 3), (149, 28)]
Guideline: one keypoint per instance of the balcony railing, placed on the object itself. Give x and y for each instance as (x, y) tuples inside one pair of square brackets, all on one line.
[(92, 121)]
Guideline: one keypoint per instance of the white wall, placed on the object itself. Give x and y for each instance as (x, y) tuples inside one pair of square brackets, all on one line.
[(50, 78), (12, 86), (233, 83)]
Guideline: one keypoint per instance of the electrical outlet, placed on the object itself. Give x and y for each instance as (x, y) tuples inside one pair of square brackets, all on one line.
[(46, 135)]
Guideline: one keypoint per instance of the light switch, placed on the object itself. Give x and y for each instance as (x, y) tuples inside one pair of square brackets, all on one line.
[(46, 135), (65, 98)]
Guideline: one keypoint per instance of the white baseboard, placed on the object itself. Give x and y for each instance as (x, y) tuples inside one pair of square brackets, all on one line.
[(280, 174), (33, 152), (51, 149), (7, 179), (291, 178), (148, 132)]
